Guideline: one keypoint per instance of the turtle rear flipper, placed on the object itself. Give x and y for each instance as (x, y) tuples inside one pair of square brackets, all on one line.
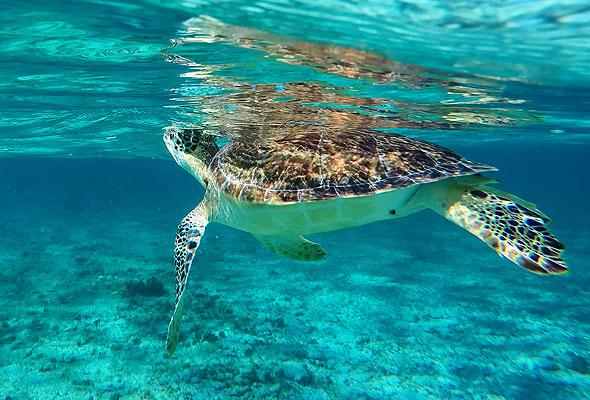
[(188, 236), (294, 247), (511, 229)]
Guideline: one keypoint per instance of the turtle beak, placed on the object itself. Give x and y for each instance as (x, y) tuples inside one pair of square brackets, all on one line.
[(170, 134)]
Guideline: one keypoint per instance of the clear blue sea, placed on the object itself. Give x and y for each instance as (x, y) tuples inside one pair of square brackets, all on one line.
[(414, 308)]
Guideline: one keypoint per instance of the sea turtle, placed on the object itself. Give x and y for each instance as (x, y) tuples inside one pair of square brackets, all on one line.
[(305, 180)]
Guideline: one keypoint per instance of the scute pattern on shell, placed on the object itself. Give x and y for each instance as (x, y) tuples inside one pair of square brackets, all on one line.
[(312, 165)]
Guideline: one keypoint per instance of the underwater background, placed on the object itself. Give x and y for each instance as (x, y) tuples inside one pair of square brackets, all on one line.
[(415, 308)]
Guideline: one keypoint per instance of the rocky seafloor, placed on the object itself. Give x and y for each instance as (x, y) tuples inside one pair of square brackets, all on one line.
[(410, 309)]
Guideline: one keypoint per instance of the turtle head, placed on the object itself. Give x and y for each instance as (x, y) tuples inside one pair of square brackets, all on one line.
[(192, 149)]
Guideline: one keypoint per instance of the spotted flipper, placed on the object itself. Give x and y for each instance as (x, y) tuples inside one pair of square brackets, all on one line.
[(294, 247), (188, 236), (511, 229), (528, 205)]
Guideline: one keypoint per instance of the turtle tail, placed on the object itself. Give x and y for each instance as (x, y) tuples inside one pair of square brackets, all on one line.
[(515, 229)]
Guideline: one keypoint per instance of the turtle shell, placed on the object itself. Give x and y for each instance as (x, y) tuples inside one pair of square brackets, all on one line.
[(314, 165)]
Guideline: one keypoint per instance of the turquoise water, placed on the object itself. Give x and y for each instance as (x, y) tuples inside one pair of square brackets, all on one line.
[(415, 308)]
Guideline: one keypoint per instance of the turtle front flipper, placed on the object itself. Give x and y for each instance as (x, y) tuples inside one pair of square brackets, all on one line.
[(188, 236), (294, 247), (510, 228)]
